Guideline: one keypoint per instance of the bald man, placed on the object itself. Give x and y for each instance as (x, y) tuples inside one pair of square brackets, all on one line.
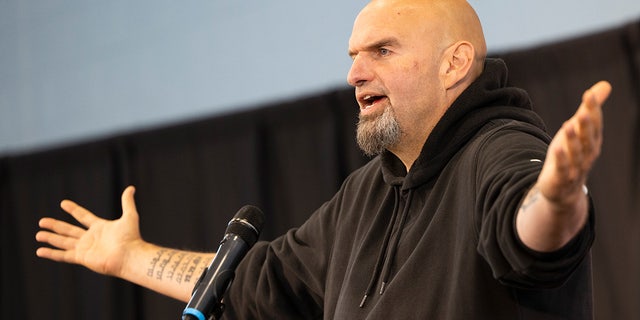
[(468, 211)]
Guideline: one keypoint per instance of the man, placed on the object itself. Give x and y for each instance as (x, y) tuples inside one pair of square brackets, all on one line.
[(469, 211)]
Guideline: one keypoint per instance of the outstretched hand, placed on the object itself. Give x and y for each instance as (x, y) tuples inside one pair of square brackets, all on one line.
[(546, 223), (574, 149), (100, 245)]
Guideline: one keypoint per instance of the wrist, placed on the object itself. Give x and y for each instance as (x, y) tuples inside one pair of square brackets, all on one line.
[(568, 200), (134, 253)]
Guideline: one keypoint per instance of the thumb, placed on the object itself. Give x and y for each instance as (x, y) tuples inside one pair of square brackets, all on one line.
[(129, 209)]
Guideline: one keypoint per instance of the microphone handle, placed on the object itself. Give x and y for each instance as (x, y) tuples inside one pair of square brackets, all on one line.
[(215, 280)]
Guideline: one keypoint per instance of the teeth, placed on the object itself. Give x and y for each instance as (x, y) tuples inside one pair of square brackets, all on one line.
[(368, 99)]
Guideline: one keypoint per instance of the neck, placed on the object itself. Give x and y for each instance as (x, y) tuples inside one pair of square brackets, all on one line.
[(408, 152)]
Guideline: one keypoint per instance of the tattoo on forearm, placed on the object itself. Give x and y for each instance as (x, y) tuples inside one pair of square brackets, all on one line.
[(154, 262), (192, 269), (163, 264), (533, 196), (183, 268), (176, 266)]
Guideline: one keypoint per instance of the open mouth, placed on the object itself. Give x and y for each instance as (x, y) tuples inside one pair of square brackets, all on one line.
[(370, 100)]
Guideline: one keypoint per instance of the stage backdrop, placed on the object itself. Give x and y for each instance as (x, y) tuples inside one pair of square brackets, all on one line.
[(289, 158)]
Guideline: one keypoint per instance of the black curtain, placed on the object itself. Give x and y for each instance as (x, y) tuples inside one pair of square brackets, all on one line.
[(287, 159)]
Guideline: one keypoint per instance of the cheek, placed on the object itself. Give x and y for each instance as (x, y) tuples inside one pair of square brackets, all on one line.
[(418, 100), (421, 73), (415, 87), (406, 80), (411, 85)]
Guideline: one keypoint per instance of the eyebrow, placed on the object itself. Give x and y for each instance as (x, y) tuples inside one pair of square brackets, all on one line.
[(390, 41)]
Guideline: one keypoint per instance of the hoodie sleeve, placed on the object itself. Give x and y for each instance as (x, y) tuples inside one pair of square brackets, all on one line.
[(509, 162)]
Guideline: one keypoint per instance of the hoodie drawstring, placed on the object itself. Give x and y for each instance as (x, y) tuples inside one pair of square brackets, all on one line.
[(383, 249), (386, 269), (386, 258)]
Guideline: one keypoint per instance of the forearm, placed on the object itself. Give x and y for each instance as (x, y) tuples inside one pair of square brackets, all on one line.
[(544, 225), (170, 272)]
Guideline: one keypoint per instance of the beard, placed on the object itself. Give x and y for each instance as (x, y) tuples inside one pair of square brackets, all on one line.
[(377, 133)]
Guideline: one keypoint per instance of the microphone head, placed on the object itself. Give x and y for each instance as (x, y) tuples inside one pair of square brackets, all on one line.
[(247, 224)]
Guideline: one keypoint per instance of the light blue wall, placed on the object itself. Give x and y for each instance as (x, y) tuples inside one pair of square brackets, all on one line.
[(74, 70)]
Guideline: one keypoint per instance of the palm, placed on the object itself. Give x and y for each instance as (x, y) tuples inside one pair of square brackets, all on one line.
[(574, 149), (101, 246)]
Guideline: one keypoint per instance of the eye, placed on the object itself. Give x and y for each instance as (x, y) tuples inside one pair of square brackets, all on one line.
[(384, 51)]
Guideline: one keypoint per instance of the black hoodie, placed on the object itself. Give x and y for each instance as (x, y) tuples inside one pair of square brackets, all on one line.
[(437, 242)]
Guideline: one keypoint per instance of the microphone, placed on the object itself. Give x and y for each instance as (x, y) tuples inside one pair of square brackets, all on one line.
[(241, 234)]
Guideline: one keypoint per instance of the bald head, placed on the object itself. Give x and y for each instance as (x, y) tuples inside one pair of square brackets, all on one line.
[(451, 20)]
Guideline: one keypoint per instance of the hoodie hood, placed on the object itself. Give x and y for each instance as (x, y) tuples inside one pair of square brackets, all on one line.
[(487, 98)]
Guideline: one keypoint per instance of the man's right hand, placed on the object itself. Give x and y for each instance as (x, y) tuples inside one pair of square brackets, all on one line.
[(115, 248), (102, 245)]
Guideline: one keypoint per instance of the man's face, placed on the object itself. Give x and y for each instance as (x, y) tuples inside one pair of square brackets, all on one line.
[(396, 57)]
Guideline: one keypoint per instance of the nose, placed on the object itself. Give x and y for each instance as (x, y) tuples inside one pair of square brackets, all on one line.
[(358, 74)]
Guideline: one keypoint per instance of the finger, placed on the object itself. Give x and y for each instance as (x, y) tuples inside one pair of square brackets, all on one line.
[(597, 94), (61, 227), (590, 109), (567, 155), (590, 133), (587, 125), (555, 170), (559, 152), (589, 121), (56, 240), (575, 152), (55, 254), (129, 209), (589, 117), (84, 216)]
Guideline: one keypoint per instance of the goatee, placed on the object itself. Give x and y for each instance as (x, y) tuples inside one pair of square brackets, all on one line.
[(378, 132)]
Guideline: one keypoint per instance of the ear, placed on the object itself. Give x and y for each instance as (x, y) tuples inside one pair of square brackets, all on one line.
[(457, 63)]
